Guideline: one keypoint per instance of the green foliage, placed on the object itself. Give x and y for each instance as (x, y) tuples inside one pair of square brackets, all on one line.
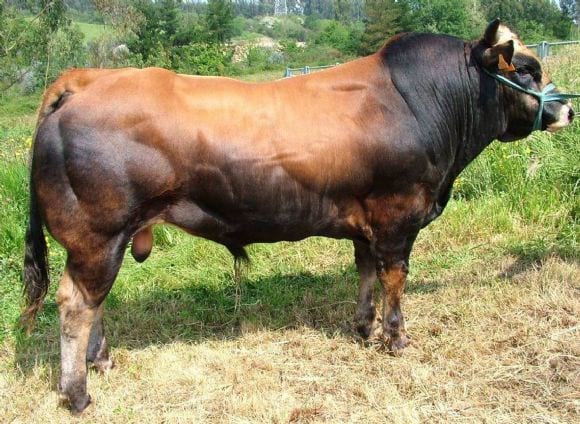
[(383, 19), (65, 49), (298, 56), (191, 28), (91, 31), (35, 51), (203, 59), (533, 20), (343, 37), (52, 16), (219, 17), (238, 26), (258, 58), (455, 17), (155, 31), (290, 27), (342, 10)]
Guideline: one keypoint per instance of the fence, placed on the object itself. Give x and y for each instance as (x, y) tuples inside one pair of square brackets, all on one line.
[(290, 72), (543, 48)]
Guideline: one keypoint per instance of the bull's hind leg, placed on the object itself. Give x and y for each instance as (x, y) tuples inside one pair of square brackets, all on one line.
[(86, 282), (366, 320), (98, 350)]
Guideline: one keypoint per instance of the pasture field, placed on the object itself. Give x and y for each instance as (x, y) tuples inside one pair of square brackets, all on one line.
[(91, 31), (492, 305)]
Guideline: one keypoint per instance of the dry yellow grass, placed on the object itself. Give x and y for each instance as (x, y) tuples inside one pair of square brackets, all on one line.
[(494, 343)]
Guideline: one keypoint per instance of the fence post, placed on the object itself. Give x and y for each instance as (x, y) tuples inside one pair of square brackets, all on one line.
[(543, 49)]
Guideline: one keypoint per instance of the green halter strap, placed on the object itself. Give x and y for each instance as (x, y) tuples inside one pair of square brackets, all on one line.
[(544, 96)]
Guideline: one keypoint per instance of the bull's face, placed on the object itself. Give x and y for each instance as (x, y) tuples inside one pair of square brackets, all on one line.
[(502, 53)]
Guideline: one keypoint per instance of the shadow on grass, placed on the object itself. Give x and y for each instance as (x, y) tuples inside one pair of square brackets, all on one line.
[(195, 313), (532, 254)]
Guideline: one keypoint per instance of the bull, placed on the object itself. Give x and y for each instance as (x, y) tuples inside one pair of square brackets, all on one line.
[(366, 151)]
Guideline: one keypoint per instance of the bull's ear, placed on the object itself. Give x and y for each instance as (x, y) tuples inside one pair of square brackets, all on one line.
[(490, 36), (499, 57)]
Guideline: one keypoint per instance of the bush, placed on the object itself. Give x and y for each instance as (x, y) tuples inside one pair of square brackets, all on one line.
[(297, 56), (280, 28), (107, 52), (34, 54), (202, 59), (340, 36)]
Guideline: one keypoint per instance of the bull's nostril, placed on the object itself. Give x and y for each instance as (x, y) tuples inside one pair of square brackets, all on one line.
[(570, 115)]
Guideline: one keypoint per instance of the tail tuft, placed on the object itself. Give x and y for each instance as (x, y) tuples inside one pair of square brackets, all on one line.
[(240, 259)]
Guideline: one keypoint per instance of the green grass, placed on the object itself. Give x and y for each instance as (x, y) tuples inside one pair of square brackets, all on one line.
[(504, 254), (91, 31)]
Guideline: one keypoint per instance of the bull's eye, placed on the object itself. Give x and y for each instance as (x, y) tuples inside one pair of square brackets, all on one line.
[(526, 73), (526, 76)]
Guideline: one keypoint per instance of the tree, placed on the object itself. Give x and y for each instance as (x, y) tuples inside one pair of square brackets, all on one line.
[(219, 18), (533, 20), (123, 17), (383, 19), (35, 51), (342, 10), (568, 8), (454, 17), (168, 20)]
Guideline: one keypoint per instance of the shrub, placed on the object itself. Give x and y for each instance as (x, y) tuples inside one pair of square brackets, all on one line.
[(340, 36), (202, 59)]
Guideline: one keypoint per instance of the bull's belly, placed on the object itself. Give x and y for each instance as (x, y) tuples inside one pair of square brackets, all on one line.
[(265, 223)]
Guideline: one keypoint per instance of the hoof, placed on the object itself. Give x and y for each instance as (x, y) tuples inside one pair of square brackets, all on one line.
[(103, 366), (397, 344), (370, 331), (76, 405)]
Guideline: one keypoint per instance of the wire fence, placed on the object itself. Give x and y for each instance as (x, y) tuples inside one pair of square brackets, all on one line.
[(543, 48), (290, 72)]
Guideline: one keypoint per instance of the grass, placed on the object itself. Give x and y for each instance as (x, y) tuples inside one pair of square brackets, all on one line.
[(492, 305), (91, 31)]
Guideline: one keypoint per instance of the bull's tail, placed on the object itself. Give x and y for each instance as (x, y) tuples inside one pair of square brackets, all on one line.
[(35, 262)]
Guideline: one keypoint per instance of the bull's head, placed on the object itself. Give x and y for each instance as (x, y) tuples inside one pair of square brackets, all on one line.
[(531, 100)]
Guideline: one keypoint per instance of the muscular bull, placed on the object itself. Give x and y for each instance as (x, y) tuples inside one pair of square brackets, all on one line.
[(366, 151)]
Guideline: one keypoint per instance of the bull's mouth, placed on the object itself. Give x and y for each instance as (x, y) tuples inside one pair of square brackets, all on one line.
[(565, 117)]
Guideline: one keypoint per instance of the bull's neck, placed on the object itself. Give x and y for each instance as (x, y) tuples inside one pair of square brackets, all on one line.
[(457, 117), (480, 112)]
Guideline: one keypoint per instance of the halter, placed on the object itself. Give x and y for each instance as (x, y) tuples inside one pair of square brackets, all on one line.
[(544, 96)]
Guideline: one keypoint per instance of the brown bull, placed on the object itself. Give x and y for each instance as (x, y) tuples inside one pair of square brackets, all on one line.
[(366, 151)]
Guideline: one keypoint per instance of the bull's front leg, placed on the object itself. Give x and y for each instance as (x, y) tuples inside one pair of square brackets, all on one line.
[(393, 275), (367, 321)]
